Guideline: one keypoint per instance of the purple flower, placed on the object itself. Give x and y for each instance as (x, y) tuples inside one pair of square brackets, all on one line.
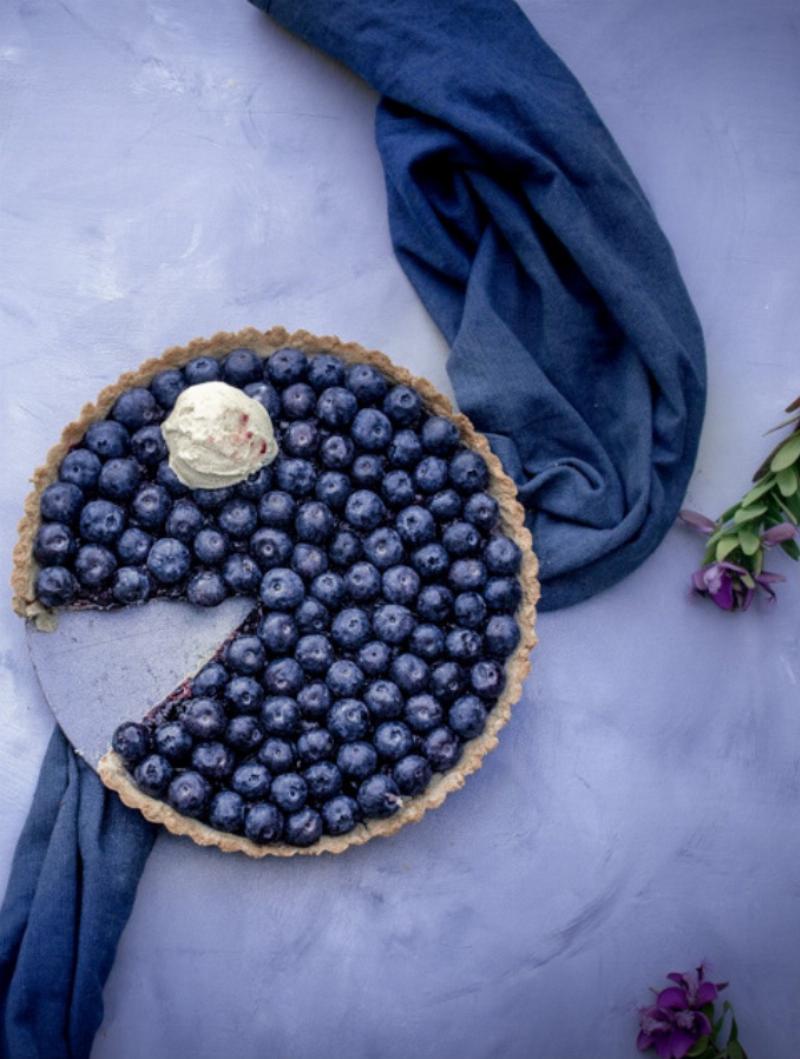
[(676, 1021), (732, 587)]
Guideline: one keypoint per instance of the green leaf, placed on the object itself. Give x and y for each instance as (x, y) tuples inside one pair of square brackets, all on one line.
[(787, 481), (786, 454), (699, 1047), (749, 542), (725, 546), (747, 514), (791, 549), (735, 1050), (758, 491)]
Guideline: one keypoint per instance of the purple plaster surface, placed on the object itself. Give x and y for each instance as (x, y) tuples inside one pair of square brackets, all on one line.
[(175, 167)]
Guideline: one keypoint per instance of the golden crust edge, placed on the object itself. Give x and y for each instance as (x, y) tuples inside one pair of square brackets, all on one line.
[(111, 768)]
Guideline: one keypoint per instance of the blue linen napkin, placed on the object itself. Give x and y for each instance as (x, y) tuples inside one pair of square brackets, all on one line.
[(73, 881), (574, 345)]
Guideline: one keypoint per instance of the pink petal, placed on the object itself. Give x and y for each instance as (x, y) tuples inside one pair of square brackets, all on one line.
[(697, 521), (706, 993), (723, 597), (643, 1041), (672, 997), (680, 1043), (784, 531)]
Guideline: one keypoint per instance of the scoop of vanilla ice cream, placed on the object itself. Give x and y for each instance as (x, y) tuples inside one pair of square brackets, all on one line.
[(217, 435)]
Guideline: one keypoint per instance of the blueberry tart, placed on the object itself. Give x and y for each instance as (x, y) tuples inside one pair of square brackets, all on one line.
[(391, 576)]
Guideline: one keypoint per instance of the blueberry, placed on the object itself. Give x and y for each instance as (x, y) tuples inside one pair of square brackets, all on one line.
[(94, 565), (481, 510), (328, 588), (430, 561), (277, 755), (465, 645), (340, 815), (374, 657), (243, 733), (201, 369), (345, 548), (412, 774), (241, 574), (270, 547), (398, 489), (298, 401), (410, 673), (132, 742), (502, 556), (467, 575), (245, 655), (344, 678), (295, 476), (324, 780), (289, 791), (266, 395), (379, 796), (81, 468), (238, 518), (448, 680), (286, 366), (241, 366), (430, 474), (364, 509), (168, 478), (189, 793), (283, 677), (468, 472), (107, 439), (351, 628), (210, 546), (400, 584), (101, 522), (226, 812), (315, 745), (362, 582), (303, 828), (133, 546), (357, 760), (368, 471), (336, 407), (173, 741), (131, 585), (54, 544), (119, 478), (314, 522), (383, 547), (314, 699), (135, 408), (405, 449), (403, 406), (150, 505), (203, 718), (445, 505), (393, 740), (282, 589), (384, 700), (461, 538), (312, 616), (439, 435), (416, 525), (251, 781), (278, 632), (470, 610), (434, 603), (467, 716), (301, 438), (243, 695), (211, 679), (325, 370), (280, 715), (206, 589), (337, 452), (263, 823), (167, 386), (153, 775), (502, 635), (487, 678), (392, 623), (427, 641), (367, 383), (168, 561), (61, 502), (371, 430), (148, 446), (255, 485), (212, 499), (314, 653), (184, 521), (348, 720), (442, 748), (423, 712), (333, 489)]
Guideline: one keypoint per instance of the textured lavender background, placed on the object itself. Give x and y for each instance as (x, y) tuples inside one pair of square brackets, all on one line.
[(173, 167)]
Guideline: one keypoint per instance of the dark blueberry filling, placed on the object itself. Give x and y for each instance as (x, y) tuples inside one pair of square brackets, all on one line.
[(386, 594)]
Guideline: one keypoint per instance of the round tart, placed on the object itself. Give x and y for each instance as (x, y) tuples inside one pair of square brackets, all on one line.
[(391, 573)]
